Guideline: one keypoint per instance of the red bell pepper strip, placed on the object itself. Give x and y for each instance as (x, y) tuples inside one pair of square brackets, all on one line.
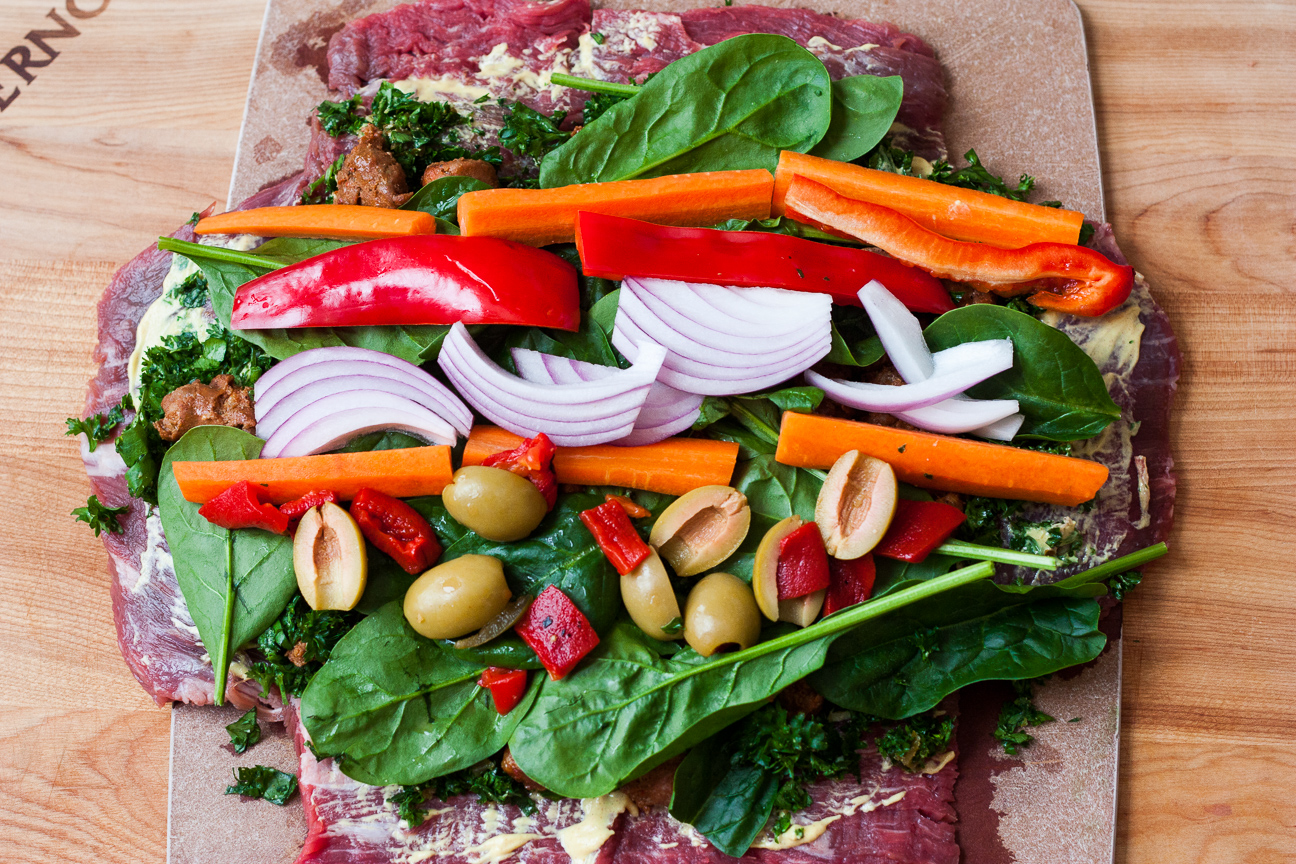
[(423, 279), (917, 528), (851, 582), (614, 534), (557, 632), (244, 505), (1063, 277), (532, 459), (297, 508), (614, 247), (506, 686), (396, 528), (632, 508), (802, 563)]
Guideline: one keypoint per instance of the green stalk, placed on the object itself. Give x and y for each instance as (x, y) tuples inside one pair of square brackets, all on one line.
[(1116, 566), (849, 618), (592, 86), (220, 663), (977, 552), (216, 253), (764, 431)]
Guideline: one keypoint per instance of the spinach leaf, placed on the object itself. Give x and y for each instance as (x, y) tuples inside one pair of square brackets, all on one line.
[(905, 663), (262, 570), (1060, 390), (99, 517), (853, 341), (733, 105), (244, 732), (441, 197), (863, 108), (417, 343), (396, 709), (262, 781), (728, 804)]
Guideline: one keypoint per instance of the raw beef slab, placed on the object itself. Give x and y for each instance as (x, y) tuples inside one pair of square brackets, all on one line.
[(887, 816)]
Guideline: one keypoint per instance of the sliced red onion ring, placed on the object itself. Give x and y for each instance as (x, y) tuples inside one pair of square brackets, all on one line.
[(712, 305), (328, 423), (665, 412), (954, 416), (1001, 430), (308, 393), (318, 364), (572, 415), (957, 369), (899, 331)]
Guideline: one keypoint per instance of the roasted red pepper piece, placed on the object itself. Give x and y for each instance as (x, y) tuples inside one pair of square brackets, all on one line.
[(614, 247), (917, 528), (532, 459), (1063, 277), (506, 686), (297, 508), (802, 563), (397, 529), (851, 582), (423, 279), (557, 632), (244, 505), (633, 509), (615, 535)]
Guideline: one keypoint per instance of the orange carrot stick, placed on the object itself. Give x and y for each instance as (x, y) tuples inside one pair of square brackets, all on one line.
[(672, 467), (543, 216), (963, 214), (332, 221), (942, 462), (401, 473)]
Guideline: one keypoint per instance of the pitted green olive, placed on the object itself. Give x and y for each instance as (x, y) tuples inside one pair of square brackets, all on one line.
[(721, 615), (497, 504), (855, 505), (329, 558), (650, 599), (458, 597), (701, 528)]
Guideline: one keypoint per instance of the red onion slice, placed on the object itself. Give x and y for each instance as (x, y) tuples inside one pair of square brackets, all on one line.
[(957, 369), (308, 393), (1001, 430), (899, 331), (572, 415), (954, 416), (716, 307), (328, 423)]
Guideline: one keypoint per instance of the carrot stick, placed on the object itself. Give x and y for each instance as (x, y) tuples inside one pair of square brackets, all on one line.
[(401, 473), (964, 214), (543, 216), (942, 462), (672, 467), (333, 221)]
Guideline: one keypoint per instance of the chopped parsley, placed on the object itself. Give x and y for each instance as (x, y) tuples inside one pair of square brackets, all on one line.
[(99, 517), (910, 743), (97, 428), (296, 645), (1017, 716), (244, 732), (598, 38), (486, 780), (1123, 583), (528, 132), (191, 293), (262, 781)]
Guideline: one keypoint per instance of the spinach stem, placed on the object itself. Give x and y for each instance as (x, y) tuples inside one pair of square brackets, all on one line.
[(755, 424), (220, 662), (1116, 566), (216, 253), (592, 86), (959, 549)]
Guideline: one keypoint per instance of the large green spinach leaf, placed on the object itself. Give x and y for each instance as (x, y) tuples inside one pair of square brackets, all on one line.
[(728, 804), (730, 106), (264, 581), (1060, 390), (397, 710), (415, 343), (863, 108), (907, 662)]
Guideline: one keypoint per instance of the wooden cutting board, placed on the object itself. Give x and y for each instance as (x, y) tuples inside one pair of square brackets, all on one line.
[(1058, 800)]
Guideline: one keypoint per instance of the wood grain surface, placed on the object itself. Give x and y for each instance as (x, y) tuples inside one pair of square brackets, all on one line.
[(133, 125)]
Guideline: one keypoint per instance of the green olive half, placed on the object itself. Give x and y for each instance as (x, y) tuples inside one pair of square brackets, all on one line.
[(721, 615), (650, 599), (497, 504), (458, 597)]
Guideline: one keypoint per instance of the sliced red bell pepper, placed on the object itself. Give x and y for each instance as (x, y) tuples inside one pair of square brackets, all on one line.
[(1063, 277), (632, 508), (614, 247), (397, 529), (557, 632), (423, 279), (506, 686), (851, 582), (532, 459), (244, 505), (297, 508), (802, 563), (917, 528), (615, 535)]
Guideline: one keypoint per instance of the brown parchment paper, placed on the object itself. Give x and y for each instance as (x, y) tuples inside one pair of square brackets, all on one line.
[(1018, 76)]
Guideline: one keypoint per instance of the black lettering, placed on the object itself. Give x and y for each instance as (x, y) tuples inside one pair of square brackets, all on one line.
[(38, 37), (75, 12), (5, 102), (19, 58)]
